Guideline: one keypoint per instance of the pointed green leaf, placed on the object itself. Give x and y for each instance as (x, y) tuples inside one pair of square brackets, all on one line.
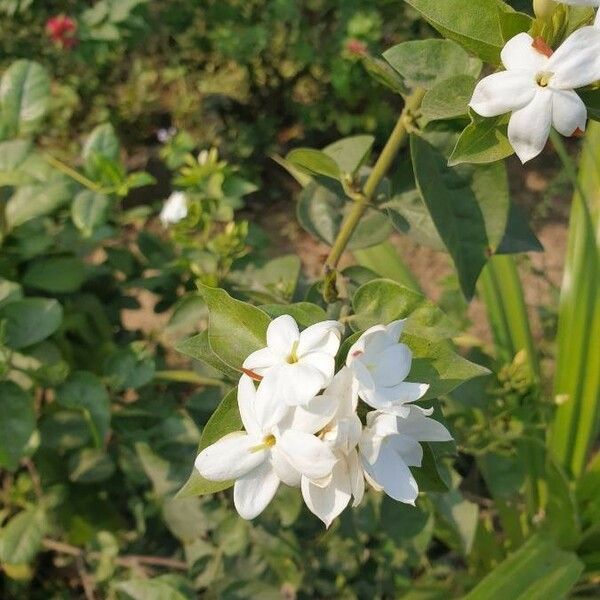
[(17, 423)]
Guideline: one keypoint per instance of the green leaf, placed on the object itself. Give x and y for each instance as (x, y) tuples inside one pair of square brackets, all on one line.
[(577, 376), (591, 99), (17, 423), (428, 63), (85, 393), (235, 329), (198, 348), (409, 215), (381, 72), (384, 260), (21, 538), (24, 96), (537, 571), (518, 236), (13, 153), (224, 420), (427, 475), (9, 292), (474, 25), (305, 313), (102, 143), (350, 153), (126, 369), (56, 274), (384, 301), (321, 212), (30, 321), (313, 162), (437, 364), (90, 465), (460, 515), (165, 587), (483, 141), (469, 207), (32, 201), (448, 99), (88, 211)]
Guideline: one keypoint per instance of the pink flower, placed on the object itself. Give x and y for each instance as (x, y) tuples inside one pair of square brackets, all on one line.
[(62, 30)]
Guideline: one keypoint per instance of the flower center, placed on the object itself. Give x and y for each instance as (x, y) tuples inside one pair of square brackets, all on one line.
[(543, 78), (293, 357), (268, 442)]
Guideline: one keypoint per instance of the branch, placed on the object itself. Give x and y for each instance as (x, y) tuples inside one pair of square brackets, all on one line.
[(131, 560)]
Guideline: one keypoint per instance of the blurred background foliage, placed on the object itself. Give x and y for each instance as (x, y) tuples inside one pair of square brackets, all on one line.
[(100, 419)]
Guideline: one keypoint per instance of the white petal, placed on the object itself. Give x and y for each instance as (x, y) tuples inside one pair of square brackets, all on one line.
[(422, 428), (363, 376), (293, 384), (307, 454), (284, 469), (529, 128), (311, 417), (577, 62), (357, 479), (519, 53), (269, 406), (395, 328), (282, 334), (262, 360), (328, 502), (231, 457), (568, 112), (253, 492), (392, 366), (321, 337), (246, 399), (394, 476), (375, 339), (409, 450), (407, 391), (343, 391), (503, 92), (321, 361)]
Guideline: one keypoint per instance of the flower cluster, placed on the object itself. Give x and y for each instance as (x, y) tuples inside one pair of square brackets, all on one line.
[(302, 427)]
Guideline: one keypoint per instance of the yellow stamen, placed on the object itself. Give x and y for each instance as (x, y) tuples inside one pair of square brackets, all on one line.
[(543, 78), (268, 442), (293, 357)]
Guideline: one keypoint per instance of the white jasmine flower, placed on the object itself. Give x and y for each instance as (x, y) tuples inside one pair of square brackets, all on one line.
[(390, 445), (267, 452), (381, 364), (174, 209), (538, 88), (341, 434), (294, 365)]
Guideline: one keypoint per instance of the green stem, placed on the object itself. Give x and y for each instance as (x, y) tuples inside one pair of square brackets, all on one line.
[(396, 140), (187, 377), (72, 173)]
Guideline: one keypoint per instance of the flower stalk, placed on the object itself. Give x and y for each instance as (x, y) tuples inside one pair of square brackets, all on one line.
[(395, 142)]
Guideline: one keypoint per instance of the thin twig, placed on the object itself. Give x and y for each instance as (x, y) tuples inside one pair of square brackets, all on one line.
[(35, 477), (86, 580), (131, 560)]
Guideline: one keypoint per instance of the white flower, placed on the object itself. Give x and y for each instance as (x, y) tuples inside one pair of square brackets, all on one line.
[(266, 453), (537, 88), (174, 209), (381, 364), (390, 445), (294, 365), (341, 434)]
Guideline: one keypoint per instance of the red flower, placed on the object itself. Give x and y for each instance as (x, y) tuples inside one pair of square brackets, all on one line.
[(356, 47), (62, 30)]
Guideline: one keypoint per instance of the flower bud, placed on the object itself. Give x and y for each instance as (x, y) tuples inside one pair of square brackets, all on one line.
[(544, 9)]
